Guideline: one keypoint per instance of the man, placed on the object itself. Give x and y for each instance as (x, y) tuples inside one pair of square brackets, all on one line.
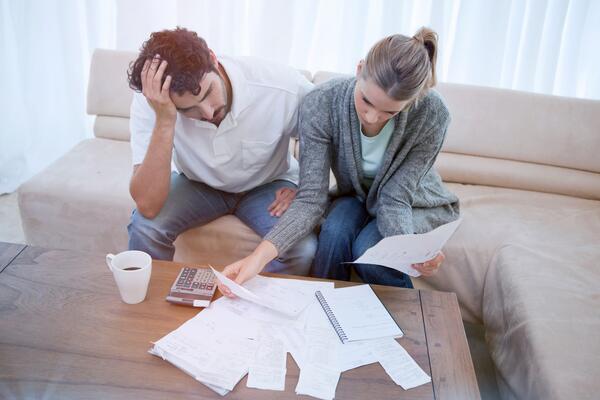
[(225, 124)]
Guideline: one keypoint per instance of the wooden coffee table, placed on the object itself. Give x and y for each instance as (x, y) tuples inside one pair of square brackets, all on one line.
[(64, 333)]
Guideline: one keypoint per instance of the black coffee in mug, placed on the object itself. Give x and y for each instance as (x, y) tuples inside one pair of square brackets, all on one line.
[(131, 268)]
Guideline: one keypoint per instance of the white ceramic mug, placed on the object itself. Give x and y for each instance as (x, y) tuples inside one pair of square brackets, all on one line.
[(132, 270)]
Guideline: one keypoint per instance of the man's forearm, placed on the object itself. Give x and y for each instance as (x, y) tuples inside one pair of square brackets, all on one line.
[(150, 181)]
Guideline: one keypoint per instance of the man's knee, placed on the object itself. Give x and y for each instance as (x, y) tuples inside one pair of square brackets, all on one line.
[(142, 227)]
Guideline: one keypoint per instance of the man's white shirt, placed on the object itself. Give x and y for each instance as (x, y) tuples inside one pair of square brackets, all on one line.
[(251, 145)]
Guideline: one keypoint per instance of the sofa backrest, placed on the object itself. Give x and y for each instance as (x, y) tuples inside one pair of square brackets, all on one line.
[(497, 137)]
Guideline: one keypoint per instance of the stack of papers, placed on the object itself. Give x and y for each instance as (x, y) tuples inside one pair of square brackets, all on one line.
[(252, 335)]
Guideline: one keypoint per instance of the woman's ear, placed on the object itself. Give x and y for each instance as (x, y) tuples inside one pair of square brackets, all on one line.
[(359, 67)]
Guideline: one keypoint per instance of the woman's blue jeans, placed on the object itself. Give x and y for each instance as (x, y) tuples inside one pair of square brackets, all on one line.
[(348, 231)]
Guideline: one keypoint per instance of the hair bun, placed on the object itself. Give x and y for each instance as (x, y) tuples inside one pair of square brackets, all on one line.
[(419, 37)]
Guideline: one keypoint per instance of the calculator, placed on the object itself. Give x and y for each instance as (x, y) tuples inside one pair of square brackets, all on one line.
[(193, 287)]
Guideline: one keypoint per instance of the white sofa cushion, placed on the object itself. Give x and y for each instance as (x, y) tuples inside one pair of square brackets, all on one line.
[(541, 309), (82, 202), (492, 219)]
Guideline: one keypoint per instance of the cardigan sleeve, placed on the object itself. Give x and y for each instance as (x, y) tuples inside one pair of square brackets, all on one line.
[(394, 212), (311, 199)]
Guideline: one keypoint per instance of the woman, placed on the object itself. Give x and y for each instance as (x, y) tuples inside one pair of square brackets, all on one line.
[(380, 133)]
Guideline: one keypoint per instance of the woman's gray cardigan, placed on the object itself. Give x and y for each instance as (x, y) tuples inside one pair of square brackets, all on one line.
[(407, 194)]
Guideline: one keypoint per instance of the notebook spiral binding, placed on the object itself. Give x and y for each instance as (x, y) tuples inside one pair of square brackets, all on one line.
[(334, 322)]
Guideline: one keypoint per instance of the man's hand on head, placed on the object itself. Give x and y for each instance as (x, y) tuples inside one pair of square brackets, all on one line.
[(157, 92)]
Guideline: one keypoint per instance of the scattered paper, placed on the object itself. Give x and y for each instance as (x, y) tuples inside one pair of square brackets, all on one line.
[(284, 295), (318, 382), (295, 342), (321, 348), (401, 251), (279, 296), (399, 365), (268, 368), (232, 338), (355, 354), (173, 359), (211, 348), (235, 288)]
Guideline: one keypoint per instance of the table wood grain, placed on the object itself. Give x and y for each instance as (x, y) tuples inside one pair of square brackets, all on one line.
[(66, 334), (448, 350)]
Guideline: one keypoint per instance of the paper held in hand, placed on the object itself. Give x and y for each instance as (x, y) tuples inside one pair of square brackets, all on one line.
[(281, 298), (401, 251)]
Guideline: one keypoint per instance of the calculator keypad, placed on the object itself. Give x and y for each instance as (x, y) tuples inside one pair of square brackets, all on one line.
[(196, 280)]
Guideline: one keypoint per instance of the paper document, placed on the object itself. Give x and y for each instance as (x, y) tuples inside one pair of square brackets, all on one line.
[(318, 382), (212, 348), (258, 313), (173, 359), (234, 338), (236, 289), (268, 368), (355, 354), (286, 298), (399, 365), (401, 251)]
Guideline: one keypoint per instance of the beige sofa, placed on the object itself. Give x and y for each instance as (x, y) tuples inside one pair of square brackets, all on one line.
[(524, 261)]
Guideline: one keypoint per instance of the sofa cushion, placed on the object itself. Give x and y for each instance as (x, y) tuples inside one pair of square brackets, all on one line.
[(492, 218), (108, 127), (521, 126), (219, 242), (82, 201), (541, 309), (487, 171), (108, 90)]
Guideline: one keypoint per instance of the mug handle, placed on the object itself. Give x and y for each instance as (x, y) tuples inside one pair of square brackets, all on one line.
[(109, 258)]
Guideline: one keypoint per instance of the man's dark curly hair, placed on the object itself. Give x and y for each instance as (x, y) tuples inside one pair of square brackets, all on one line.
[(186, 53)]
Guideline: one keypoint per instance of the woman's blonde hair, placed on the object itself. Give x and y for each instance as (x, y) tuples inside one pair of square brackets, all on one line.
[(404, 67)]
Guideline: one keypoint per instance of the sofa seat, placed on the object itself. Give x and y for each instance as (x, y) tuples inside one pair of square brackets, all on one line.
[(493, 218), (541, 309), (85, 186), (525, 264), (90, 184)]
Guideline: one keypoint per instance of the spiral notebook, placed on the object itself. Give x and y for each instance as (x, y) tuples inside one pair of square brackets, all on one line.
[(356, 313)]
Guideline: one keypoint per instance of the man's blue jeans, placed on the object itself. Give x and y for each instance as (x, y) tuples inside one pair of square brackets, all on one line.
[(348, 231), (192, 204)]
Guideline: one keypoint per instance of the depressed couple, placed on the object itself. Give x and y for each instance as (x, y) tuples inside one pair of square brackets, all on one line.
[(225, 123)]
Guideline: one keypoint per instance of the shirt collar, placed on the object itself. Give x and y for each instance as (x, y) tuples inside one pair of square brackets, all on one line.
[(239, 86)]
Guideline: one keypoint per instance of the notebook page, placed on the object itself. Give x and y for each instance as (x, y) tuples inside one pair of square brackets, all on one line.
[(360, 313)]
